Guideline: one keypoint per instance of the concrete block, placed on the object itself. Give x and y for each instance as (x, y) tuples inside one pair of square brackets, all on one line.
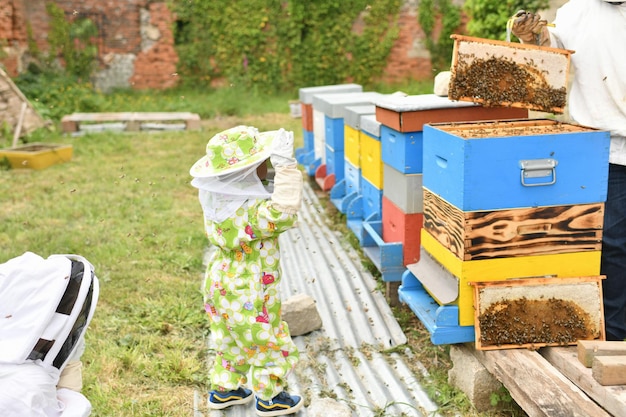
[(324, 407), (300, 313), (471, 377)]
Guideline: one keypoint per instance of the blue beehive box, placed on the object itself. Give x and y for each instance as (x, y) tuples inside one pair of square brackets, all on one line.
[(335, 163), (372, 198), (518, 163), (353, 178), (402, 150)]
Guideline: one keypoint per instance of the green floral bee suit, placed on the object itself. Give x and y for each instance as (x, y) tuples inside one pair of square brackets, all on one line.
[(242, 299)]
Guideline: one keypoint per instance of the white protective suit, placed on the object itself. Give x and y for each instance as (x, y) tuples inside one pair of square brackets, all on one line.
[(45, 308), (598, 69)]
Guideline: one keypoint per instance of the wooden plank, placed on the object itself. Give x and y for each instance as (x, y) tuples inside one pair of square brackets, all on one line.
[(525, 231), (611, 398), (135, 116), (70, 123), (538, 387), (609, 370), (589, 349)]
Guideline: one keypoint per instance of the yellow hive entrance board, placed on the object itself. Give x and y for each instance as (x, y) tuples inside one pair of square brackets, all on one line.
[(561, 265)]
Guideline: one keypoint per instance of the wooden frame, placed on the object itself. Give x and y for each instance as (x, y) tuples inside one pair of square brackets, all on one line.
[(579, 299)]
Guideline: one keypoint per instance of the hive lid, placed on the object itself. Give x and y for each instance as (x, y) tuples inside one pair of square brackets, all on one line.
[(370, 125), (306, 93), (420, 102), (332, 104), (352, 114), (499, 73)]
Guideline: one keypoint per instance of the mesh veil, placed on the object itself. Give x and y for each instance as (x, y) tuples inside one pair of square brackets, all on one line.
[(221, 196)]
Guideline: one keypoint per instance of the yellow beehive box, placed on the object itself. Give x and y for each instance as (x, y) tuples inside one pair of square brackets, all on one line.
[(498, 73), (371, 160), (36, 155), (560, 265), (352, 146)]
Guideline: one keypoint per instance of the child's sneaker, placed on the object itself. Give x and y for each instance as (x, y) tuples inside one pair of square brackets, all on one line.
[(280, 405), (219, 400)]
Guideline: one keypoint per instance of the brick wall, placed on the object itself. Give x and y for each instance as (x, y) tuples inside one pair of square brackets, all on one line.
[(13, 32), (409, 58), (135, 40)]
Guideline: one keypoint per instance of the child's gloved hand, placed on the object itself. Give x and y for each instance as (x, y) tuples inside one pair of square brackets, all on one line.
[(282, 154)]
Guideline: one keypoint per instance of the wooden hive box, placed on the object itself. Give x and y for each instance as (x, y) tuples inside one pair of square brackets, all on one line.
[(351, 130), (498, 73), (524, 231), (536, 312), (494, 165), (36, 155)]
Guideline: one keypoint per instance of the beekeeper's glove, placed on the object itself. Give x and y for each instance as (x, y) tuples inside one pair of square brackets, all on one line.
[(72, 376), (287, 195), (530, 28), (282, 153)]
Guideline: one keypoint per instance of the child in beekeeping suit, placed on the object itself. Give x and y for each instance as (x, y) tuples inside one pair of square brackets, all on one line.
[(596, 31), (46, 306), (242, 220)]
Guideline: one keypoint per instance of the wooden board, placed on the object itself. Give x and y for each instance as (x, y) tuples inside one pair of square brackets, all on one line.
[(609, 370), (71, 122), (537, 386), (589, 349), (537, 312), (513, 232), (497, 73), (611, 398)]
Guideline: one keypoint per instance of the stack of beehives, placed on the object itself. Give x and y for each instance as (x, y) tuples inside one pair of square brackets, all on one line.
[(313, 120), (392, 240), (506, 200)]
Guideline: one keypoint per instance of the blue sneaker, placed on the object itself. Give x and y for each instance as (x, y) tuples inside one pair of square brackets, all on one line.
[(220, 400), (280, 405)]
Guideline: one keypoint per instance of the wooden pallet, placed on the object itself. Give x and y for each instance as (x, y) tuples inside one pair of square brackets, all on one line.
[(133, 120)]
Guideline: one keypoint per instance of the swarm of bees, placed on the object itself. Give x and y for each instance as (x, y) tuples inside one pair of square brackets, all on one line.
[(528, 321), (498, 81)]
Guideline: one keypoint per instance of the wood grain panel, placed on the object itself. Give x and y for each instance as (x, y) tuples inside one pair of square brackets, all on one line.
[(514, 232)]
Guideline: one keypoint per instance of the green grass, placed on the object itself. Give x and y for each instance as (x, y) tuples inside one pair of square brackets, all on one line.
[(125, 203)]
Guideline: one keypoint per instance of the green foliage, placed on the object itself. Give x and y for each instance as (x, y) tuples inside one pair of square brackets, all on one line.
[(429, 12), (73, 42), (272, 45), (488, 18), (56, 94)]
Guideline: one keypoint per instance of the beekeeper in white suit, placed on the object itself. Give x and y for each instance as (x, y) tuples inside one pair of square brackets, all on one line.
[(45, 308), (596, 31)]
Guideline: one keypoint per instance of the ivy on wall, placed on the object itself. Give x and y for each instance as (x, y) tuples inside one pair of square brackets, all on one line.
[(440, 46), (72, 41), (275, 45)]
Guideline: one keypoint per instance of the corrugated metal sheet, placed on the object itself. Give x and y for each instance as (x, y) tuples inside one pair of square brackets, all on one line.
[(346, 359)]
